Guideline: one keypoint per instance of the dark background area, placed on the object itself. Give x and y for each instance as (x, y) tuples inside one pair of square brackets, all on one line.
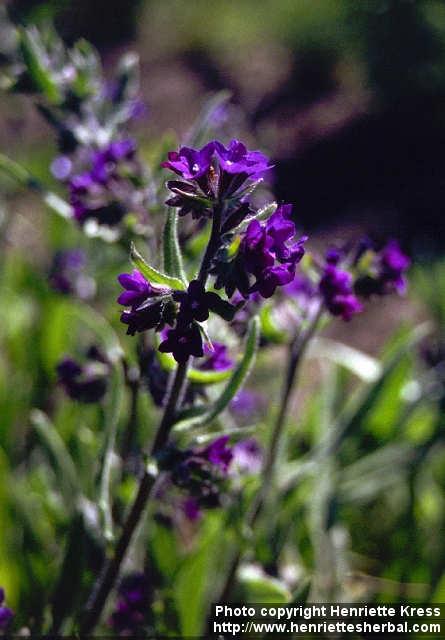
[(347, 96)]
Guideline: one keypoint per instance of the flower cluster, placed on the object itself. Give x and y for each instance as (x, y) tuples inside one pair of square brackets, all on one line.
[(266, 258), (156, 378), (154, 307), (337, 290), (85, 382), (386, 273), (200, 472), (214, 173), (6, 615), (203, 472), (109, 187), (133, 605), (67, 274)]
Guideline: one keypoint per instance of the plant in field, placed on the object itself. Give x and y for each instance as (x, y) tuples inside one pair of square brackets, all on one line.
[(170, 441)]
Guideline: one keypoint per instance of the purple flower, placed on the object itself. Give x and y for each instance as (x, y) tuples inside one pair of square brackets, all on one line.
[(191, 509), (133, 606), (202, 472), (217, 174), (106, 191), (247, 456), (216, 358), (336, 288), (61, 167), (393, 265), (237, 159), (194, 303), (246, 403), (267, 253), (386, 273), (86, 382), (6, 615), (190, 164), (67, 274), (219, 454), (183, 342), (137, 289), (151, 306)]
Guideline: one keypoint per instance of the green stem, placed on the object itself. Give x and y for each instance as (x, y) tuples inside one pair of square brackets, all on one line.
[(109, 575), (297, 349)]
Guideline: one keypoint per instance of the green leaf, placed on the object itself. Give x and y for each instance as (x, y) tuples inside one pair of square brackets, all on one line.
[(194, 375), (33, 53), (261, 214), (260, 588), (173, 265), (193, 579), (200, 416), (152, 274)]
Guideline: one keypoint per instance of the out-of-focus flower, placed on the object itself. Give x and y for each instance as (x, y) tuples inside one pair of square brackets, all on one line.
[(86, 382), (67, 274), (218, 453), (216, 358), (6, 614), (386, 273), (133, 605), (191, 510), (247, 403), (247, 457), (336, 287), (111, 186)]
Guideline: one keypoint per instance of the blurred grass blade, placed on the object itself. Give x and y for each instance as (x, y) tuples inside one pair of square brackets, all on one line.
[(152, 274), (60, 458), (33, 53), (354, 415), (200, 416), (173, 265), (112, 415), (20, 175), (204, 122), (68, 588), (361, 364)]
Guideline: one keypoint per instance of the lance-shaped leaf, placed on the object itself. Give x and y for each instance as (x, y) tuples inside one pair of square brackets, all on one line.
[(153, 275), (173, 264), (261, 214), (199, 416)]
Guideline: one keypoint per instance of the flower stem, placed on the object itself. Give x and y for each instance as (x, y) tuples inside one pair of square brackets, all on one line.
[(296, 352), (110, 573)]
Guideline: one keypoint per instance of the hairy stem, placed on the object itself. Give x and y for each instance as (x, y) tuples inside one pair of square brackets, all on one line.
[(296, 352), (110, 573)]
